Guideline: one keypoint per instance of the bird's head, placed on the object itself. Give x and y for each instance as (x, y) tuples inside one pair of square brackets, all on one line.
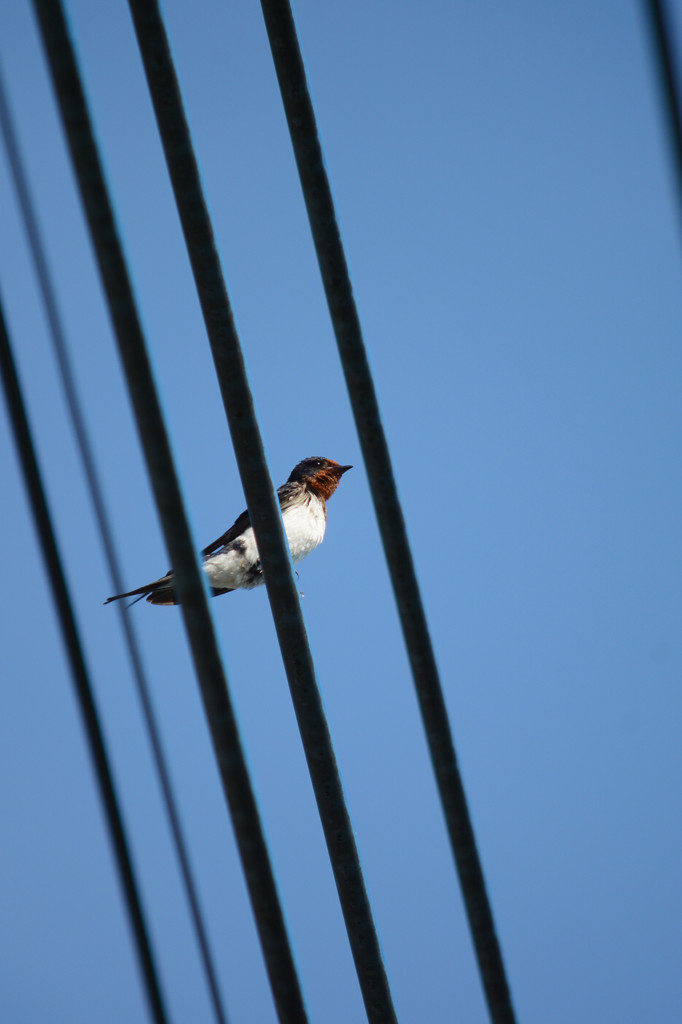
[(321, 476)]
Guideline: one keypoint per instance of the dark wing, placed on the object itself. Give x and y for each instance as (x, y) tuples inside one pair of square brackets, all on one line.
[(286, 494), (239, 525), (289, 494)]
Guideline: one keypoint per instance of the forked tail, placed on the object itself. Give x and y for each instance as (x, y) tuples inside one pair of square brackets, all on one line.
[(159, 592)]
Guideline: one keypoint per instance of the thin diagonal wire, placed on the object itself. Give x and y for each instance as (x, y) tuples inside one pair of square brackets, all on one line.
[(263, 508), (79, 671), (198, 624), (664, 56), (106, 535), (300, 116)]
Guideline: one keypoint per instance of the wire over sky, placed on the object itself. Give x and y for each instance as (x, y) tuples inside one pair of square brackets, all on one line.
[(376, 453), (106, 536), (79, 671), (300, 116), (131, 345), (263, 509), (664, 54)]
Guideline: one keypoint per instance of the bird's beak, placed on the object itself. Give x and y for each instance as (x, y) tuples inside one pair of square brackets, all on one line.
[(343, 469)]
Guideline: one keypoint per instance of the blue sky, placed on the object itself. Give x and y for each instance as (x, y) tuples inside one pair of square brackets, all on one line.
[(503, 184)]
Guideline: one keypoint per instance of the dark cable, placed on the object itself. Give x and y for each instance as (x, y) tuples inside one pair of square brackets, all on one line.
[(659, 23), (106, 535), (198, 624), (263, 508), (300, 116), (79, 671)]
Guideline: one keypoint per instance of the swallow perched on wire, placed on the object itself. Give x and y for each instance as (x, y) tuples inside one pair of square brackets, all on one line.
[(232, 561)]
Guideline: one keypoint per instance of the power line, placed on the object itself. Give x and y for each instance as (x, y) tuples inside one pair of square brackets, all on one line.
[(130, 340), (79, 671), (263, 508), (300, 116), (659, 22), (106, 535)]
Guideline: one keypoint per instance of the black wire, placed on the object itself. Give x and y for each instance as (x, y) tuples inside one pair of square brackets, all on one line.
[(221, 720), (106, 534), (659, 23), (300, 115), (263, 508), (79, 671)]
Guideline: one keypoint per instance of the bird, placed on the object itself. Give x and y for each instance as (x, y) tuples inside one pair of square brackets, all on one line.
[(232, 561)]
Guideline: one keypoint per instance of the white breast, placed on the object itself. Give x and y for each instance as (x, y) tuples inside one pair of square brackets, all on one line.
[(236, 565), (304, 526)]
